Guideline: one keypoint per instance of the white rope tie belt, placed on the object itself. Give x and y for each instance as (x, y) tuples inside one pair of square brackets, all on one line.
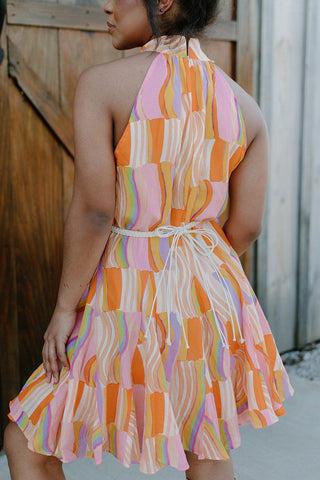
[(197, 245)]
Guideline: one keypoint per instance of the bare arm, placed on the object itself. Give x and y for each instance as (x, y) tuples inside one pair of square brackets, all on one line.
[(92, 208), (248, 182), (91, 213)]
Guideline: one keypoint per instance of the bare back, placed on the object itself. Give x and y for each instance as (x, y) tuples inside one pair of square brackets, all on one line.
[(123, 80)]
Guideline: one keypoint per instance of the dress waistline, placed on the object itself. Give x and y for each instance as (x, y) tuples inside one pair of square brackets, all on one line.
[(193, 234), (164, 231)]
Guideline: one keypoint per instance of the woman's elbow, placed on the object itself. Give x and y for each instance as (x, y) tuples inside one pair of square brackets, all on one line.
[(97, 217), (253, 232), (100, 218), (242, 236)]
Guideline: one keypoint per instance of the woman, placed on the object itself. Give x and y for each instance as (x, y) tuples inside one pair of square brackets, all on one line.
[(168, 350)]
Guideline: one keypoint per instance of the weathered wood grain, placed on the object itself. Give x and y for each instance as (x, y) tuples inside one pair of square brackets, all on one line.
[(56, 15), (309, 236), (89, 18), (247, 53), (281, 87), (221, 52), (41, 98), (37, 197), (9, 347), (246, 63), (78, 51)]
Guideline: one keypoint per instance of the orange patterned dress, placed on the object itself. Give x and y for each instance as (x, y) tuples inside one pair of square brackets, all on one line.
[(171, 350)]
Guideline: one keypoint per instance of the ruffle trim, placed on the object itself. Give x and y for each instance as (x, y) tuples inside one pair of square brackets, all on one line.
[(52, 428)]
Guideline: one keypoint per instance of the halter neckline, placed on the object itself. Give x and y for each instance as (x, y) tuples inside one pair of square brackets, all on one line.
[(176, 45)]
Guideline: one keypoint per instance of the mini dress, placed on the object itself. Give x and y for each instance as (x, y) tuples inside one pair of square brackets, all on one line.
[(171, 351)]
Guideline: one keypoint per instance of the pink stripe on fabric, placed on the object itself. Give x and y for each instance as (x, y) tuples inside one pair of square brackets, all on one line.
[(224, 98)]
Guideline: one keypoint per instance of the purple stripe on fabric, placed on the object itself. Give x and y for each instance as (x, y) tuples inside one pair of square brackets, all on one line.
[(197, 426), (229, 438), (234, 296), (242, 408), (18, 420), (220, 348), (72, 342), (82, 448), (166, 452), (46, 429), (286, 387), (134, 111), (205, 82), (201, 411), (174, 347), (214, 101), (235, 299), (249, 299), (83, 333), (124, 329), (137, 197), (135, 200), (165, 85), (239, 120), (164, 246), (97, 441), (176, 87), (125, 241)]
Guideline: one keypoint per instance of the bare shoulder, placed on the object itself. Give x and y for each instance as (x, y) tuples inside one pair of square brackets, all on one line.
[(251, 112), (107, 83)]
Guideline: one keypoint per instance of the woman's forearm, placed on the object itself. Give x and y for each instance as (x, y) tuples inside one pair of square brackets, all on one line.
[(85, 237)]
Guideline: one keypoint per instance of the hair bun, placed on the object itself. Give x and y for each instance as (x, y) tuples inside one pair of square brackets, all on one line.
[(193, 17)]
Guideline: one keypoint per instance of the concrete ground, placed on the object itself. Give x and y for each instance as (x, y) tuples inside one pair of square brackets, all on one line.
[(288, 450)]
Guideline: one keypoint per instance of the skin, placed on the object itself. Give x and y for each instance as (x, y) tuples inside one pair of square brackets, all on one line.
[(99, 122), (248, 182)]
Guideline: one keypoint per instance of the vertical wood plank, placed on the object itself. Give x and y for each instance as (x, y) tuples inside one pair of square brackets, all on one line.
[(37, 198), (309, 258), (222, 53), (281, 84), (9, 351), (247, 58), (226, 10), (247, 62), (78, 51)]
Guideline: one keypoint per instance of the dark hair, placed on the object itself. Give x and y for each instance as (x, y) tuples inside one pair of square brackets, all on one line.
[(193, 16)]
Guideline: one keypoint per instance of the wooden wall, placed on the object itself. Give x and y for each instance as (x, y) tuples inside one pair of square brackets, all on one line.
[(309, 214), (288, 252)]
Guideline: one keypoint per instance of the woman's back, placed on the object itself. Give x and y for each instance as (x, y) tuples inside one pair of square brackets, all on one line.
[(184, 138)]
